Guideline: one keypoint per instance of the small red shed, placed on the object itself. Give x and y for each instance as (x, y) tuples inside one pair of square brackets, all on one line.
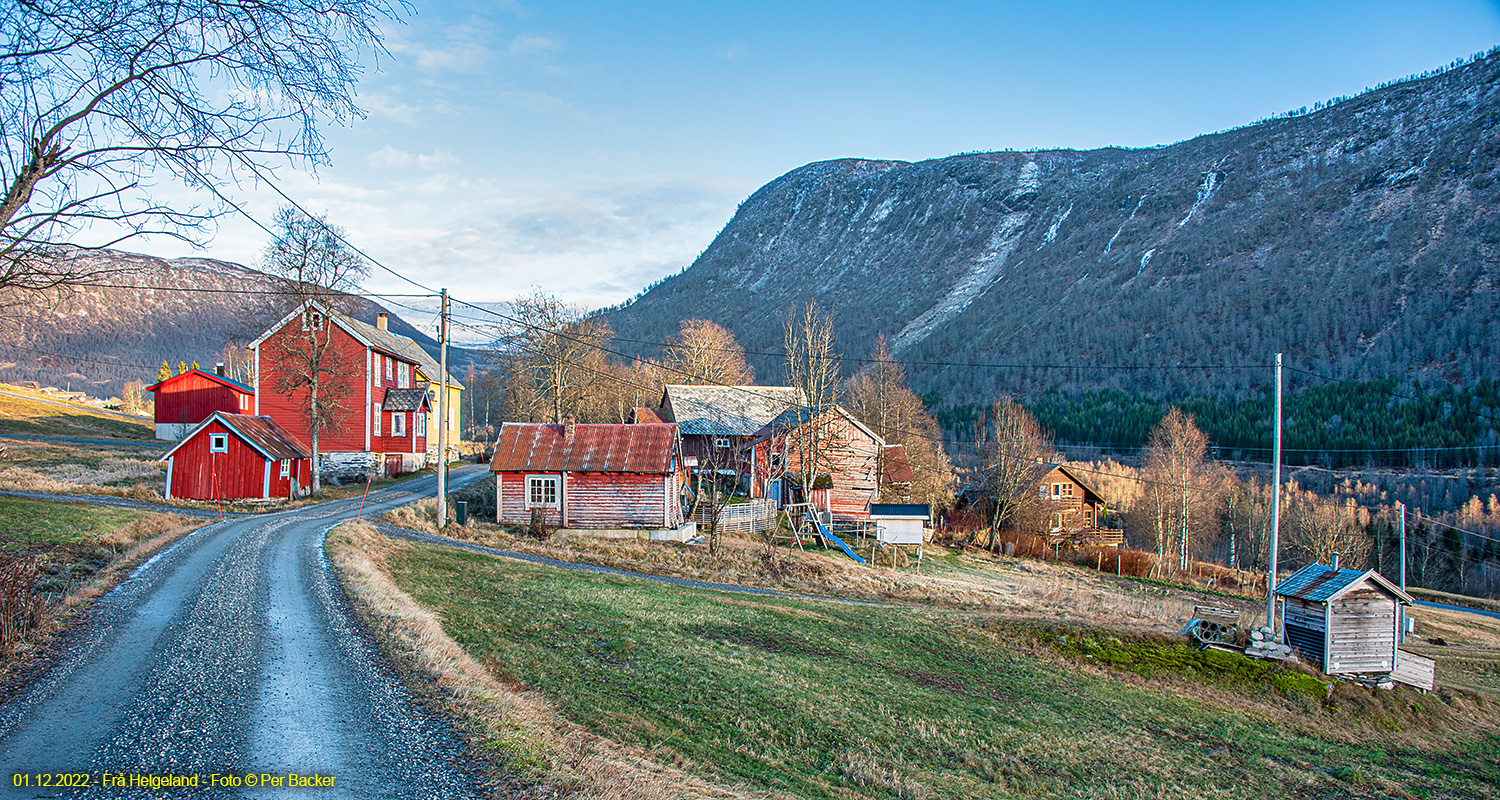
[(236, 455), (589, 476), (185, 400)]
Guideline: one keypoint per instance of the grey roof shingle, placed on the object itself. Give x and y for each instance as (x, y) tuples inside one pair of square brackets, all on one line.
[(727, 410), (404, 399), (398, 345)]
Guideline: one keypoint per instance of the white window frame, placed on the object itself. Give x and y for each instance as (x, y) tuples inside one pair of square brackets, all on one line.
[(312, 320), (286, 468), (1056, 491), (538, 484), (721, 442), (403, 376), (398, 423), (218, 443), (377, 420), (419, 424), (390, 367)]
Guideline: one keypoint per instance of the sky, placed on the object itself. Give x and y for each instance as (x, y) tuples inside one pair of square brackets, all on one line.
[(589, 149)]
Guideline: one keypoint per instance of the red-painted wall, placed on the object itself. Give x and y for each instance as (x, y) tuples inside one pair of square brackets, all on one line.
[(192, 398), (599, 500), (410, 443), (198, 474)]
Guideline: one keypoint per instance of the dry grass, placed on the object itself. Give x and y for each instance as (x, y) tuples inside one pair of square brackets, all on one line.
[(545, 755)]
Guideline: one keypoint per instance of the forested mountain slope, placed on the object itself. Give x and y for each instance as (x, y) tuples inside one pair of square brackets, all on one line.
[(1360, 239), (95, 338)]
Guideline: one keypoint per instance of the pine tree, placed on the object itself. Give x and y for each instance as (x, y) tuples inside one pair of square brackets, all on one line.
[(182, 367), (164, 373)]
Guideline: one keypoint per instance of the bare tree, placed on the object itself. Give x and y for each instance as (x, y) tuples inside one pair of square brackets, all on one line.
[(1180, 484), (812, 366), (555, 356), (1011, 450), (880, 397), (100, 101), (315, 271), (705, 353), (134, 399), (1320, 526)]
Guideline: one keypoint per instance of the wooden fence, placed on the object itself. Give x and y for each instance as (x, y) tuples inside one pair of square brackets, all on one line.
[(756, 516)]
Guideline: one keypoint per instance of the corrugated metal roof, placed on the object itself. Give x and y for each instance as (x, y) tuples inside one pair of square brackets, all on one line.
[(905, 510), (895, 467), (1318, 583), (527, 447), (404, 399), (727, 410), (266, 435), (644, 416)]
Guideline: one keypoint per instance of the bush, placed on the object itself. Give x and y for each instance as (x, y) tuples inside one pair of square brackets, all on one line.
[(480, 496)]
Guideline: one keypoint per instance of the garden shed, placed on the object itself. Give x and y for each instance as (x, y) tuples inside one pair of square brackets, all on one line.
[(1347, 622), (900, 523)]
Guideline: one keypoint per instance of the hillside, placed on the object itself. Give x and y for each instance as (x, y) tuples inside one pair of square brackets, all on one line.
[(95, 338), (1360, 239)]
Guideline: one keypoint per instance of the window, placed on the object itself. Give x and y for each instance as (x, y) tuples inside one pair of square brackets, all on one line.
[(398, 423), (377, 419), (541, 491), (1067, 490), (1056, 490), (1043, 489), (286, 467), (390, 364), (721, 443), (312, 321), (419, 424), (218, 443), (403, 376), (244, 402)]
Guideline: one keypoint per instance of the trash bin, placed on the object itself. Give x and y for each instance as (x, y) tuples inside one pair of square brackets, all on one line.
[(461, 510)]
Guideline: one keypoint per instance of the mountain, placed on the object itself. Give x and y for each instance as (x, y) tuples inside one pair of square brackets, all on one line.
[(1360, 239), (95, 338)]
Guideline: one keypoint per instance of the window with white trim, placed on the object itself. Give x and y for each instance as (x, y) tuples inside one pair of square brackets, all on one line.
[(390, 364), (286, 467), (419, 424), (312, 321), (541, 491), (403, 376), (218, 443), (377, 419), (721, 442), (1056, 490), (398, 423), (244, 402)]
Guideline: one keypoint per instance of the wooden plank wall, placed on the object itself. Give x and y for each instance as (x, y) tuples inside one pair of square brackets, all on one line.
[(1364, 633), (599, 500), (1305, 629)]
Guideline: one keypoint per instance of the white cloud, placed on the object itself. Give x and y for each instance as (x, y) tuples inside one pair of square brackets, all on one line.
[(461, 51), (531, 44), (543, 103), (379, 104), (388, 157)]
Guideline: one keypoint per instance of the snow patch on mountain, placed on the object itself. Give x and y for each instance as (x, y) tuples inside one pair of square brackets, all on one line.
[(1052, 231), (1112, 239), (1205, 191)]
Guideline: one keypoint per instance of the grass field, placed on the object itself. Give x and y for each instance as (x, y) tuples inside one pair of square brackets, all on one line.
[(26, 417), (806, 698)]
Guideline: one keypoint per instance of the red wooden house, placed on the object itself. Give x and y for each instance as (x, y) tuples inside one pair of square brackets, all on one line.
[(601, 477), (234, 456), (847, 473), (185, 400), (384, 407)]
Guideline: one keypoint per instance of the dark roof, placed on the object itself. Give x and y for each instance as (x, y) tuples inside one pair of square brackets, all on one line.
[(262, 433), (404, 400), (524, 447), (645, 416), (895, 467), (1320, 584), (396, 344), (913, 510), (726, 410), (233, 384)]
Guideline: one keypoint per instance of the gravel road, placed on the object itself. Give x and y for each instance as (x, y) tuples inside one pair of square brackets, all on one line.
[(231, 653)]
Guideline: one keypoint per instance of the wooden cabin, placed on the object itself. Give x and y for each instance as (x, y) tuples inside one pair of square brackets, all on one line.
[(1072, 504), (183, 401), (598, 477), (847, 475), (717, 423), (1348, 622), (230, 456)]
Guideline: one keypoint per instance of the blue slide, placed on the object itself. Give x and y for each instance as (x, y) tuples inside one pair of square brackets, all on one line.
[(828, 536)]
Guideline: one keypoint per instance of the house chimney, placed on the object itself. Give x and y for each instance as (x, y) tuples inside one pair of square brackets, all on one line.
[(1335, 561), (569, 425), (219, 369), (382, 320)]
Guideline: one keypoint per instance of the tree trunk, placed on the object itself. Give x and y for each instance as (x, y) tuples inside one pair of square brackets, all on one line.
[(317, 470)]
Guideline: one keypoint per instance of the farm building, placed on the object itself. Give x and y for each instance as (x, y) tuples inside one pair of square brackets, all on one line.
[(717, 421), (1348, 622), (591, 477), (371, 377), (1072, 504), (236, 456), (183, 401), (847, 455), (900, 523)]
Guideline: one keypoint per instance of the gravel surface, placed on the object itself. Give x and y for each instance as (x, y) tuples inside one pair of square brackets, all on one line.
[(233, 653)]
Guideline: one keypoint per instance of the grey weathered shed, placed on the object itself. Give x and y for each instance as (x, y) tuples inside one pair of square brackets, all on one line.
[(1344, 621)]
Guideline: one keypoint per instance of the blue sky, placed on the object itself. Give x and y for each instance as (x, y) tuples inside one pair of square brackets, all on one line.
[(591, 148)]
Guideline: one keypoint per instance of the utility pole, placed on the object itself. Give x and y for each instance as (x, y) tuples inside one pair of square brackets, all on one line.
[(1401, 526), (442, 469), (1275, 508)]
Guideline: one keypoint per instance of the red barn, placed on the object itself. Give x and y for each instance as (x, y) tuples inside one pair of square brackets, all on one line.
[(185, 400), (375, 376), (236, 455), (590, 476), (847, 476)]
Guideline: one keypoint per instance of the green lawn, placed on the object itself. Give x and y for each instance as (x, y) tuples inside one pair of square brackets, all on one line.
[(821, 699), (27, 525)]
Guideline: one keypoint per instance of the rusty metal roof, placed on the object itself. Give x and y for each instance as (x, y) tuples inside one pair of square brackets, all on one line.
[(528, 447), (1320, 584), (648, 415), (895, 467)]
